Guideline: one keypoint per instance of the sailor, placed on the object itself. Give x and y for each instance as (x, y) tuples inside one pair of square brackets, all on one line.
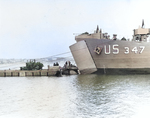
[(114, 36), (69, 63), (66, 64)]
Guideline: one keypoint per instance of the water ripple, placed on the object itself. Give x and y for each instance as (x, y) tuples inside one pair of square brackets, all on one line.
[(79, 96)]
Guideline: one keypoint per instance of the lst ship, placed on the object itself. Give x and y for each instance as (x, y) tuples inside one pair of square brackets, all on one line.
[(97, 53)]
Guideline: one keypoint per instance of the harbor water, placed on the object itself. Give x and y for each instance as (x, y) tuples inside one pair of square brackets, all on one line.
[(75, 96)]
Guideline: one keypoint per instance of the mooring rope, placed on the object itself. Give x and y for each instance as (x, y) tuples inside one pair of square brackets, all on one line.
[(60, 54), (54, 55)]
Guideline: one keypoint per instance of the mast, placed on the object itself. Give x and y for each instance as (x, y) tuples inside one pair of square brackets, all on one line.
[(142, 23)]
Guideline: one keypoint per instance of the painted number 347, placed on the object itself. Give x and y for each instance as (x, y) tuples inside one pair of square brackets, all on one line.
[(135, 49)]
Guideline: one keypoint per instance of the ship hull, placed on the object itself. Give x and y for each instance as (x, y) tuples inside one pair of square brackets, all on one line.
[(113, 57), (122, 71)]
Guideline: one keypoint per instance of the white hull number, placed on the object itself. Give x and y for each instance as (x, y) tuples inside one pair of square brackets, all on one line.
[(115, 49)]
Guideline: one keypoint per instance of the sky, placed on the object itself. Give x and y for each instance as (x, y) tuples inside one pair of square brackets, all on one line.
[(42, 28)]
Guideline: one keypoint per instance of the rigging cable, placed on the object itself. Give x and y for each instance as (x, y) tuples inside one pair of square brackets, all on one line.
[(61, 54)]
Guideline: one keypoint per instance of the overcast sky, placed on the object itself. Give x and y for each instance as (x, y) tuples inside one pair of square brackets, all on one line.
[(41, 28)]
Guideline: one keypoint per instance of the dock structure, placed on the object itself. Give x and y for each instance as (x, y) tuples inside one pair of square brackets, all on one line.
[(51, 71)]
